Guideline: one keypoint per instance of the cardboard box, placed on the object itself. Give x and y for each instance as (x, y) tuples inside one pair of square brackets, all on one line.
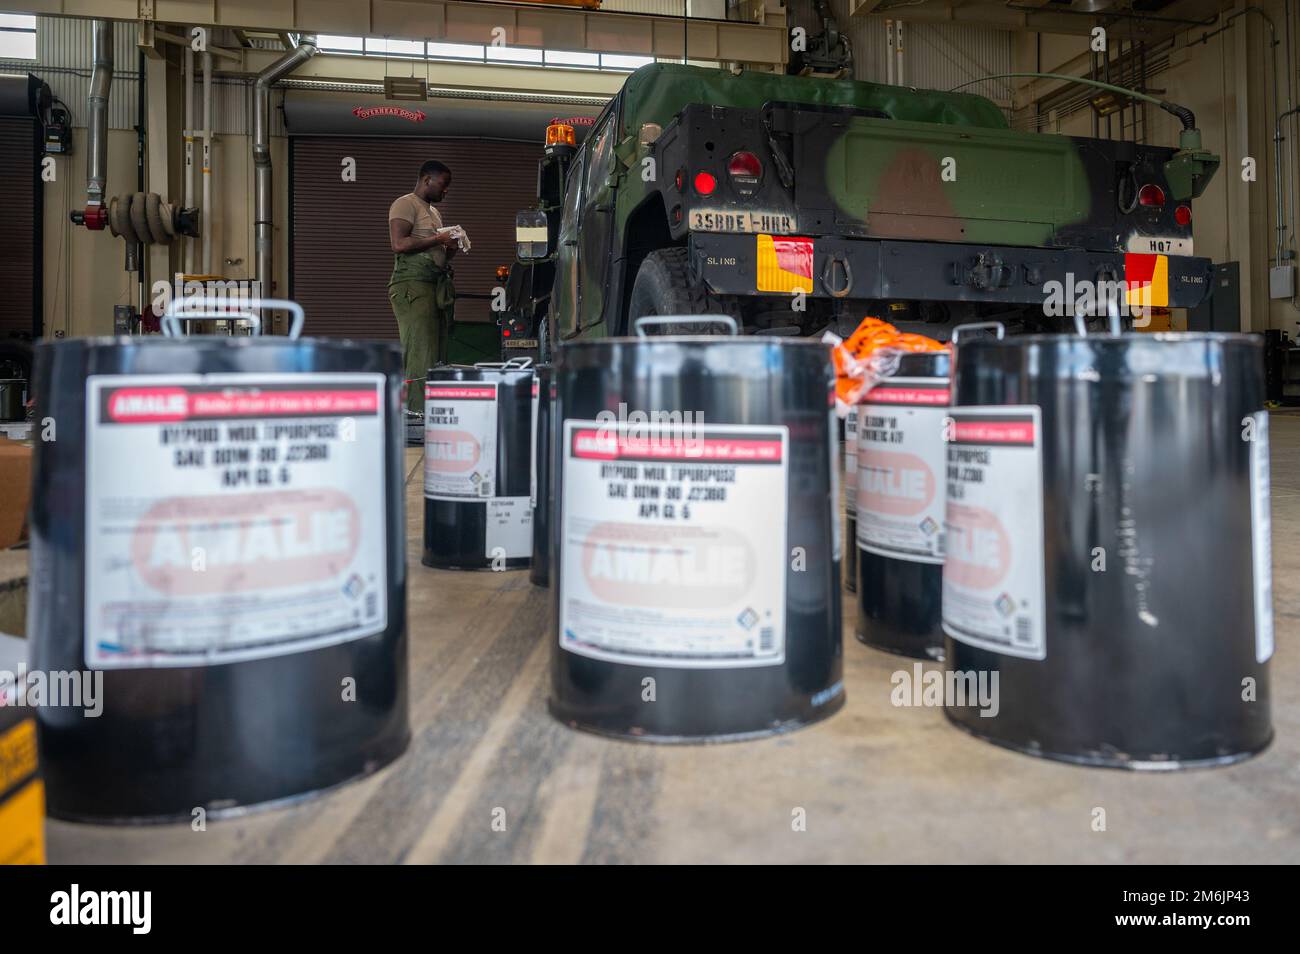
[(16, 479)]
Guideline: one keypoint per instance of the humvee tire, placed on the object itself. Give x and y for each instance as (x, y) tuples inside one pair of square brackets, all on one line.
[(664, 286)]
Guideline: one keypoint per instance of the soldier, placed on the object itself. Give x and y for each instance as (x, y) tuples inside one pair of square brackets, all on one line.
[(420, 288)]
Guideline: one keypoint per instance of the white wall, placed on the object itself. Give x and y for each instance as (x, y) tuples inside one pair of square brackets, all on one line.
[(1225, 81)]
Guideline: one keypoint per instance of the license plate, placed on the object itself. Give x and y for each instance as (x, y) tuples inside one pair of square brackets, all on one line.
[(716, 220), (521, 342), (1155, 245)]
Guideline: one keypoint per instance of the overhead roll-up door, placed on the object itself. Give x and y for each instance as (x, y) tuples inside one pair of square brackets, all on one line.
[(339, 255), (22, 207)]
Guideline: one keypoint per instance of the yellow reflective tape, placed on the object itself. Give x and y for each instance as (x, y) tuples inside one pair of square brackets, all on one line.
[(770, 276), (22, 826), (1155, 294), (17, 754)]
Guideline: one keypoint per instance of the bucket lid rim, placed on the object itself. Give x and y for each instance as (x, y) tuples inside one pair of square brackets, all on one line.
[(782, 340), (1129, 337), (243, 340)]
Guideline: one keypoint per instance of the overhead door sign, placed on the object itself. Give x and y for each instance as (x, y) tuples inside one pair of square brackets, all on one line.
[(232, 517)]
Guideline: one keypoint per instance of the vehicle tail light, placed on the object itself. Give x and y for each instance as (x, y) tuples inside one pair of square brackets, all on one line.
[(744, 164), (705, 183), (1183, 215), (1151, 195)]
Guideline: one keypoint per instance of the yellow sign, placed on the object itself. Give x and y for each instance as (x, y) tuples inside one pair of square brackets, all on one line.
[(22, 814), (784, 264), (17, 754)]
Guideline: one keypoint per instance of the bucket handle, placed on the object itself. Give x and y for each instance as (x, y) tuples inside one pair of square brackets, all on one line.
[(639, 324), (1112, 312), (200, 306), (514, 364), (998, 326)]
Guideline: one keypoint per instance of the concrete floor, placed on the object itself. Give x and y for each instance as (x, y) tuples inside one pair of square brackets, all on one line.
[(876, 783)]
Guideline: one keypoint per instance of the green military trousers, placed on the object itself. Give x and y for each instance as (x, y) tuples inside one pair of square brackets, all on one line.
[(424, 317)]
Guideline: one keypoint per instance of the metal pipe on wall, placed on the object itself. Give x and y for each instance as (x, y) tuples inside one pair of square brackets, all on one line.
[(188, 263), (101, 83), (207, 164), (263, 201)]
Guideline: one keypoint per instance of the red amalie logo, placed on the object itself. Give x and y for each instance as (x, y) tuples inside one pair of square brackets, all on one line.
[(994, 432), (977, 551), (231, 544), (902, 394), (894, 483), (451, 451), (452, 392), (687, 567), (168, 404), (599, 444), (396, 112)]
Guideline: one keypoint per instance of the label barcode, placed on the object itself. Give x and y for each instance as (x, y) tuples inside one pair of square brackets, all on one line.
[(484, 489), (372, 604), (1023, 635), (766, 639)]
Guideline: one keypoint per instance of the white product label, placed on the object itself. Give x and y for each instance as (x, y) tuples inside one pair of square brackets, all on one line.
[(532, 447), (460, 439), (674, 544), (901, 469), (993, 592), (1261, 535), (232, 517), (509, 528)]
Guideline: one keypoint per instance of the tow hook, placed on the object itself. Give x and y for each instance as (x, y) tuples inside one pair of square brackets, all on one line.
[(987, 271), (829, 274)]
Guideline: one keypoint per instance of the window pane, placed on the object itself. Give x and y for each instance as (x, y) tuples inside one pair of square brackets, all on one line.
[(395, 47), (600, 157), (565, 58), (611, 61), (351, 44), (17, 20), (17, 46), (514, 54), (460, 51)]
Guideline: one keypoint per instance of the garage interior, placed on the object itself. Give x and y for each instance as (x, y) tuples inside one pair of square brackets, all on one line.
[(292, 127)]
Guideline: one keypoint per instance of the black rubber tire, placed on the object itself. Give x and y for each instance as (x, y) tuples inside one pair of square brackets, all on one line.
[(664, 286)]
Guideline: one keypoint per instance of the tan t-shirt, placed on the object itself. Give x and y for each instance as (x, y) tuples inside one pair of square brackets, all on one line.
[(424, 219)]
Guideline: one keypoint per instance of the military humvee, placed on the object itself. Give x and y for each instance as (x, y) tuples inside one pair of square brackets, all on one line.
[(797, 204)]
